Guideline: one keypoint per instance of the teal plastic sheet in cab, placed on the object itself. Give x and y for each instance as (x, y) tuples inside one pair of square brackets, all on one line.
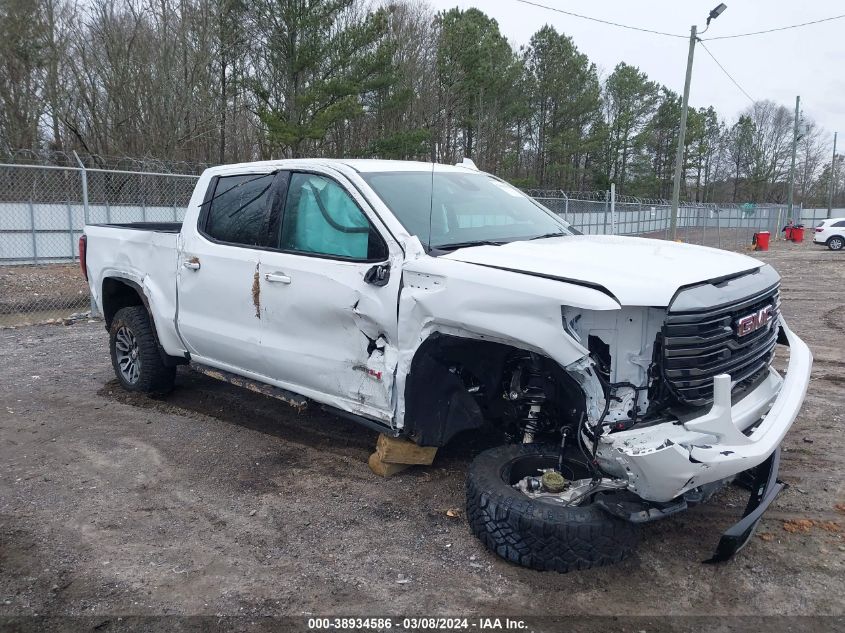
[(320, 217)]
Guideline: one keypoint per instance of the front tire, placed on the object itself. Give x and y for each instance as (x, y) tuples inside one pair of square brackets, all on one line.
[(134, 351), (836, 243), (534, 533)]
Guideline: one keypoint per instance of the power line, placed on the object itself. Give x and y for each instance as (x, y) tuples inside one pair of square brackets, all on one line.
[(652, 31), (587, 17), (741, 89), (780, 28)]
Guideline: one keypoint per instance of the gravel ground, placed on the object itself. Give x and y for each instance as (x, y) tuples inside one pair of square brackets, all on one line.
[(216, 501)]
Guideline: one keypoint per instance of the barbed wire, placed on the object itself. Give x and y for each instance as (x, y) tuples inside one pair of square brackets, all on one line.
[(64, 158)]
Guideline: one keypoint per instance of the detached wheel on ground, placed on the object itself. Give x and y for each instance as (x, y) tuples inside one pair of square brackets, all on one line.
[(134, 353), (836, 243), (536, 533)]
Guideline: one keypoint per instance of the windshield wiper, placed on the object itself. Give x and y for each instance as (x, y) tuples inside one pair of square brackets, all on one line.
[(456, 245), (540, 237)]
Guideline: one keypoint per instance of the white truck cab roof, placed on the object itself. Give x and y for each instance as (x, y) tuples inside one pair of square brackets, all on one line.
[(360, 165)]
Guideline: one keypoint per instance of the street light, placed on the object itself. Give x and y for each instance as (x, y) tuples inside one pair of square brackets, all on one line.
[(679, 157), (715, 13)]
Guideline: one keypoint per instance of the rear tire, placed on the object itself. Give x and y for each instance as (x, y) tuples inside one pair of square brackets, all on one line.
[(135, 355), (539, 534), (836, 243)]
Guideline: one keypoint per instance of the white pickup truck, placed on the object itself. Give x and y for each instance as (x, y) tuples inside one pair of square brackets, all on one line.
[(632, 377)]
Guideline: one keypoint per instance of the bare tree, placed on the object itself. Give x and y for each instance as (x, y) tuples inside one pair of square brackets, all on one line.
[(24, 33)]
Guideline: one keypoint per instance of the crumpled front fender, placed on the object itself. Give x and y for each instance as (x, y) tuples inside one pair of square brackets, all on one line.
[(479, 302)]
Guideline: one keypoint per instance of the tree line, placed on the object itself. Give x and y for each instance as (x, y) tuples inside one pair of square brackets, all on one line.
[(214, 81)]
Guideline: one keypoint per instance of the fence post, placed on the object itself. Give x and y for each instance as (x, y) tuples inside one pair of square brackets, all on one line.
[(86, 216), (32, 231), (606, 202), (613, 208), (639, 216), (565, 205), (718, 228), (84, 175)]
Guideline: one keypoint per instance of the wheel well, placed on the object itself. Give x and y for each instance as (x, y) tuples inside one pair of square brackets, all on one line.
[(122, 293), (117, 294), (456, 384)]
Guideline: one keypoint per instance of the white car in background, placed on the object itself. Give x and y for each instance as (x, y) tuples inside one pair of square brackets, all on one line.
[(831, 233)]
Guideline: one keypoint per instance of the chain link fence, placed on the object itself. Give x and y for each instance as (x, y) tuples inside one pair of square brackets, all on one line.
[(43, 211), (44, 208), (719, 225)]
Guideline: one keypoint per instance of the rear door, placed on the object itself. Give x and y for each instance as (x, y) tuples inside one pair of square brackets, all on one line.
[(219, 269), (329, 294)]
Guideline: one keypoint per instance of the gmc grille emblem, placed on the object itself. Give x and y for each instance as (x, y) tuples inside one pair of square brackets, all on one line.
[(754, 321)]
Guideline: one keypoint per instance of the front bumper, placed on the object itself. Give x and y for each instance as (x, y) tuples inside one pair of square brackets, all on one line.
[(765, 486), (663, 461)]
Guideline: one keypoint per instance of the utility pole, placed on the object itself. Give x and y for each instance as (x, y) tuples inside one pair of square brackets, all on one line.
[(832, 178), (679, 157), (794, 152)]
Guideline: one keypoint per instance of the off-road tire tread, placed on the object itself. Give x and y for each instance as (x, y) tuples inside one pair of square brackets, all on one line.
[(534, 534), (156, 377)]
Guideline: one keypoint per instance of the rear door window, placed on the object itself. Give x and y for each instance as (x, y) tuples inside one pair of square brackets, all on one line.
[(238, 209)]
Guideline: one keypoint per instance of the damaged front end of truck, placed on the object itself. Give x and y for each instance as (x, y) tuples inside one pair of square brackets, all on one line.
[(634, 411)]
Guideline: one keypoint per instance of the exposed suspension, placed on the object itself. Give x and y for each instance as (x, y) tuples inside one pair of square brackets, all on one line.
[(526, 390)]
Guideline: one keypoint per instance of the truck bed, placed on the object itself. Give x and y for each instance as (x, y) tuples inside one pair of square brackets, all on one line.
[(144, 254)]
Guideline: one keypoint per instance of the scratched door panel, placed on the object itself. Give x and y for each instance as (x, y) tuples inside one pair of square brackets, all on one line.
[(218, 319)]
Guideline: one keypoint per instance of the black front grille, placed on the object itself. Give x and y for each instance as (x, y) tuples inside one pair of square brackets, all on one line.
[(699, 345)]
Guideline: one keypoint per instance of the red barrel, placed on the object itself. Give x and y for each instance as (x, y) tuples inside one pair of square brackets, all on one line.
[(798, 234), (761, 241), (787, 233)]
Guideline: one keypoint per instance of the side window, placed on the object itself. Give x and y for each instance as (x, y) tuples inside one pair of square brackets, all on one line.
[(839, 224), (238, 209), (321, 218)]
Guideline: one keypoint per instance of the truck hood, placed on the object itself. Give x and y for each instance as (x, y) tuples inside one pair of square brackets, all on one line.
[(636, 271)]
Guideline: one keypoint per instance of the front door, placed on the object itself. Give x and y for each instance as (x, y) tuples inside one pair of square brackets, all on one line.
[(219, 268), (328, 298)]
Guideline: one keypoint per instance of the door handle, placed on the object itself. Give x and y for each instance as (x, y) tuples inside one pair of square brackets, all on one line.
[(191, 264), (277, 278)]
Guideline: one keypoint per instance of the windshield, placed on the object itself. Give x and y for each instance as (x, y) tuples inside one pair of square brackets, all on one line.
[(449, 209)]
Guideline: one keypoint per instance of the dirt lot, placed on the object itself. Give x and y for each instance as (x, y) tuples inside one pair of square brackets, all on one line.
[(31, 294), (219, 502)]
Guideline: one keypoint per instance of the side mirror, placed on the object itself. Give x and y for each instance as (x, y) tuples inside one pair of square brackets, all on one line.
[(378, 275)]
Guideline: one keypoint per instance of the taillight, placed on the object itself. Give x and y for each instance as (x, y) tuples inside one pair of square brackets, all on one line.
[(83, 243), (819, 229)]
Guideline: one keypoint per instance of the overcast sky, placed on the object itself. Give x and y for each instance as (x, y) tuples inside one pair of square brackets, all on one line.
[(809, 61)]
